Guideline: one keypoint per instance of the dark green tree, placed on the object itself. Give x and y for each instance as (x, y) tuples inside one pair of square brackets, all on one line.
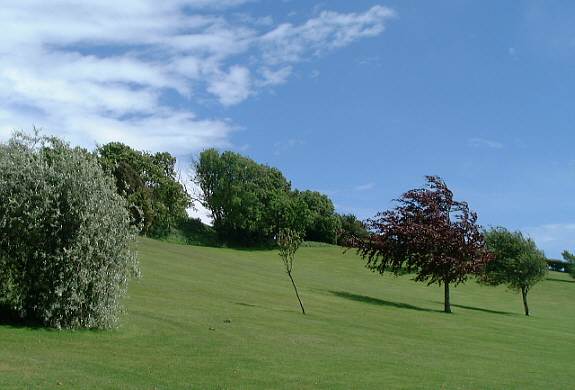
[(517, 262), (323, 224), (570, 265), (249, 202), (350, 227), (157, 200)]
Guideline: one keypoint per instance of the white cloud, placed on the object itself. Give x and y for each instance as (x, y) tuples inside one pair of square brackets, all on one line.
[(484, 143), (232, 87), (96, 72), (274, 77), (288, 43), (553, 238), (365, 187)]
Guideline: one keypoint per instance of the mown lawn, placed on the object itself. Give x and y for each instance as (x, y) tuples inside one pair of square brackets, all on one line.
[(209, 318)]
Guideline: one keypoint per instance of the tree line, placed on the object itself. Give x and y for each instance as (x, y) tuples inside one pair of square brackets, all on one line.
[(68, 217)]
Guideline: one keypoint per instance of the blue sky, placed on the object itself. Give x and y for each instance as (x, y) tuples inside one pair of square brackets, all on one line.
[(357, 99)]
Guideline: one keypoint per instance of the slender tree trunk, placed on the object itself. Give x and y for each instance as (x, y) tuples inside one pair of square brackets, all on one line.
[(446, 302), (296, 293), (524, 295)]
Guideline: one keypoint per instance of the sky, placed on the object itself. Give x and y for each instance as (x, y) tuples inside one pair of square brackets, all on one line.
[(357, 99)]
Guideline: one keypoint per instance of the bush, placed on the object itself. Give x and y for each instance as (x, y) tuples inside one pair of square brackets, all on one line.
[(64, 236)]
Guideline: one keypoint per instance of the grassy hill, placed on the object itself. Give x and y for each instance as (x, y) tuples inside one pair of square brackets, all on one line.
[(209, 318)]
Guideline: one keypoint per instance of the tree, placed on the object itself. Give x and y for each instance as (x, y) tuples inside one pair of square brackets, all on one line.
[(288, 242), (156, 199), (517, 262), (323, 224), (428, 233), (65, 236), (570, 259), (249, 202), (350, 227)]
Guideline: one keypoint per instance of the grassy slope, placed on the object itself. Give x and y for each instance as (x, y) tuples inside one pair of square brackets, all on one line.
[(363, 331)]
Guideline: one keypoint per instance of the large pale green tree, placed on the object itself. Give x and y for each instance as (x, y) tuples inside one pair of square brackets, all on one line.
[(65, 236)]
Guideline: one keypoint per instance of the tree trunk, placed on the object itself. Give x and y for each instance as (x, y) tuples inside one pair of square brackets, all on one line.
[(446, 302), (296, 293), (524, 295)]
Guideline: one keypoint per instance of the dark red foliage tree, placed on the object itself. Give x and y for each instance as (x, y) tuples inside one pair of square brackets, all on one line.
[(427, 233)]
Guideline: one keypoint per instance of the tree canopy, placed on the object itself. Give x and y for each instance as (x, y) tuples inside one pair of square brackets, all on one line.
[(65, 237), (350, 226), (428, 233), (156, 199), (517, 262), (250, 202), (323, 223), (570, 265)]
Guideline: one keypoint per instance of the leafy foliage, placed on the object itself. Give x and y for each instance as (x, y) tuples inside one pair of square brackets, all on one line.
[(65, 256), (570, 259), (428, 233), (288, 242), (249, 202), (517, 262), (350, 227), (323, 223), (157, 200)]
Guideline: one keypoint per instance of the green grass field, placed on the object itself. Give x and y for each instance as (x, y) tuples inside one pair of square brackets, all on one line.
[(211, 318)]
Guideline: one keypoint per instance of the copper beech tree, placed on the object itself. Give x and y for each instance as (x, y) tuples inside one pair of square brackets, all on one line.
[(428, 233)]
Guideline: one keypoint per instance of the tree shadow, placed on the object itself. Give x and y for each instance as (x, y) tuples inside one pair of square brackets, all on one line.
[(245, 304), (377, 301), (10, 318), (560, 280), (483, 310)]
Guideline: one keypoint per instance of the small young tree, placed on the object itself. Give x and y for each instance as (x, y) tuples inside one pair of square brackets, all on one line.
[(288, 242), (517, 262), (428, 233)]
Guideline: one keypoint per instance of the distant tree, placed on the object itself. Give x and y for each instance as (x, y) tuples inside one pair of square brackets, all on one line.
[(65, 238), (570, 259), (323, 224), (428, 233), (350, 227), (288, 242), (249, 202), (517, 262), (157, 200)]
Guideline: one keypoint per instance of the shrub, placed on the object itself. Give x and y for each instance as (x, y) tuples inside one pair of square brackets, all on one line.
[(65, 235)]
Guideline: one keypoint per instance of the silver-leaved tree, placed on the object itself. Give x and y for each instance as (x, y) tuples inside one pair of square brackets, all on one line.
[(65, 236)]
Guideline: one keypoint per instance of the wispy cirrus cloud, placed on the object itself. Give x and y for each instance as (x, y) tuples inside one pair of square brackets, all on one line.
[(554, 238), (95, 71), (365, 187), (484, 143)]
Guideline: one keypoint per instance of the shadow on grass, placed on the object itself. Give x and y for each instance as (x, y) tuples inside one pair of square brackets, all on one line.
[(245, 304), (377, 301), (482, 309), (560, 280)]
